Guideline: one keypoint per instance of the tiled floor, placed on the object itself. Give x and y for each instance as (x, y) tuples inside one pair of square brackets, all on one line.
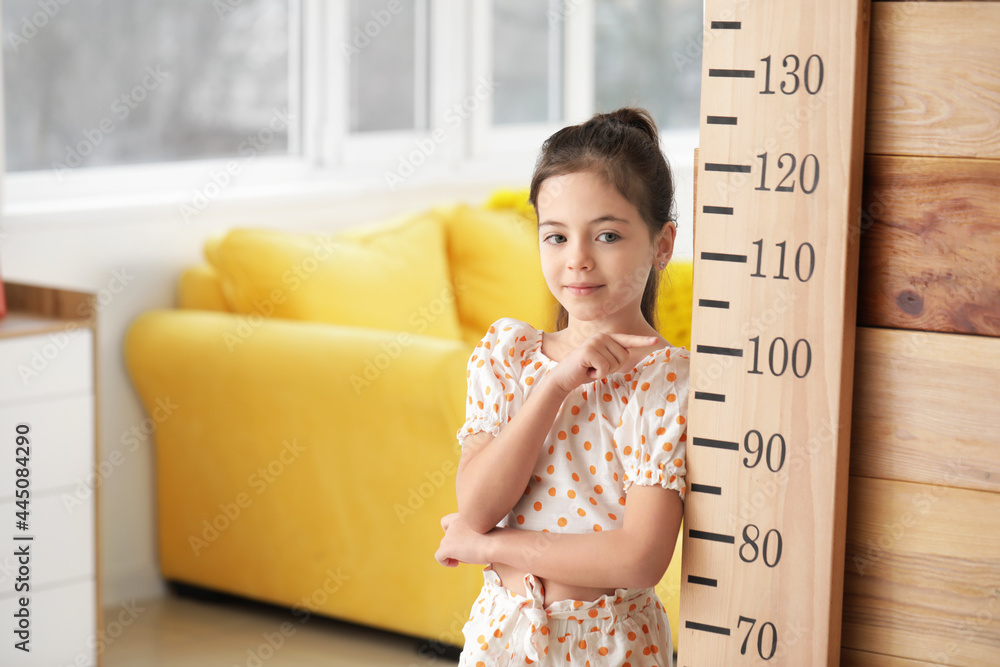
[(178, 631)]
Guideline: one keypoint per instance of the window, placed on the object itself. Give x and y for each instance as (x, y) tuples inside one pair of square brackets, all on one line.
[(376, 89), (647, 53), (527, 61), (114, 82), (559, 61), (388, 66), (644, 52)]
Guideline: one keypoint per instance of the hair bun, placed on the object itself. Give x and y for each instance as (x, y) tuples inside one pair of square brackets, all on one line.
[(637, 118)]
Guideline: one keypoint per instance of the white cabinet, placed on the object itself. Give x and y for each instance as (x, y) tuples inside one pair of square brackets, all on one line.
[(48, 494)]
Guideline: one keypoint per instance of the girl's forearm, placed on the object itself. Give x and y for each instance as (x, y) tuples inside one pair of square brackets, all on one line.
[(606, 559), (493, 481)]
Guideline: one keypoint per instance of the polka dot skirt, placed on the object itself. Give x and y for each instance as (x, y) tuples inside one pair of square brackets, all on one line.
[(628, 628)]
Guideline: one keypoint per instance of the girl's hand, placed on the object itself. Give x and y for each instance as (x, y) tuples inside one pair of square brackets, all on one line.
[(460, 543), (599, 356)]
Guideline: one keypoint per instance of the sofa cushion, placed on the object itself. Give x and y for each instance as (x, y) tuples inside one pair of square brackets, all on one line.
[(198, 288), (674, 302), (392, 275), (496, 269)]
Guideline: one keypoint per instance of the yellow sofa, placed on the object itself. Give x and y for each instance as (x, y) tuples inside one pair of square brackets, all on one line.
[(317, 382)]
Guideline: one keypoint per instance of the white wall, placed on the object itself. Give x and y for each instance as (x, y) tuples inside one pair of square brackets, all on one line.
[(132, 258)]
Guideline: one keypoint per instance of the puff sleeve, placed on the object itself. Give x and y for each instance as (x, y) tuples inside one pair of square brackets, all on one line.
[(494, 393), (652, 436)]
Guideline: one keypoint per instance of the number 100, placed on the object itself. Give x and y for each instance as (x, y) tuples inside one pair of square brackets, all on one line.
[(777, 358)]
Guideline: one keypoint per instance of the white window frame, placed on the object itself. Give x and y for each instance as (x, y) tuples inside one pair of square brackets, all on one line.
[(571, 64), (459, 145)]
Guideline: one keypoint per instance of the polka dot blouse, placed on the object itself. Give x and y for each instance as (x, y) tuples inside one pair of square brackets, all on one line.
[(628, 428)]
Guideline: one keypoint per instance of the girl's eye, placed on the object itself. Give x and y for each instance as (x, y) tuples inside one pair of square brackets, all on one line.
[(555, 238), (609, 237)]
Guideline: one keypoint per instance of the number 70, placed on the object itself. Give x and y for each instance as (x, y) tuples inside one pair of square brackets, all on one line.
[(760, 637)]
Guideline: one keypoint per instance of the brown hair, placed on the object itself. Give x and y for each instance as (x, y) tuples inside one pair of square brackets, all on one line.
[(623, 147)]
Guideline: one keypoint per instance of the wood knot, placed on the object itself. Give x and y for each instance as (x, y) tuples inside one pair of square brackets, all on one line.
[(910, 302)]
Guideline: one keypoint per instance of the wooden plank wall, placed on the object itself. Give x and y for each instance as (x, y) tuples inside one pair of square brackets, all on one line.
[(922, 567)]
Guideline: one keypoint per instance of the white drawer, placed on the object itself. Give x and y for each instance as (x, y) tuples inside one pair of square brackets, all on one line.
[(43, 364), (63, 626), (61, 448), (62, 548)]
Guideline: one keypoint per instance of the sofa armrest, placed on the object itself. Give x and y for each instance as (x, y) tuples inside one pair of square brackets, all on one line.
[(306, 464)]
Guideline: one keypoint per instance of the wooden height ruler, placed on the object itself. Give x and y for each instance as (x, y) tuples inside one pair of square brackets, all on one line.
[(775, 287)]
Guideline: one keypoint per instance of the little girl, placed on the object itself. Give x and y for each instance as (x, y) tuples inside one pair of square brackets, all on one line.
[(571, 479)]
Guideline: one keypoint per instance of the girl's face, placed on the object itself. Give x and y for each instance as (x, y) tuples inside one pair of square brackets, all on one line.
[(596, 249)]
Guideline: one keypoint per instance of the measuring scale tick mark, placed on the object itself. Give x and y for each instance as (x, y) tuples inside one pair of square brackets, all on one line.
[(732, 73), (733, 168), (710, 536), (706, 627), (726, 25), (721, 120), (710, 303), (724, 351), (703, 581), (707, 396), (724, 257), (717, 444), (721, 210), (706, 488)]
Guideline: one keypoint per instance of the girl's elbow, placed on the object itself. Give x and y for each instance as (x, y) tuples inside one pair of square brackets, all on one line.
[(482, 526), (652, 575), (649, 568), (475, 520)]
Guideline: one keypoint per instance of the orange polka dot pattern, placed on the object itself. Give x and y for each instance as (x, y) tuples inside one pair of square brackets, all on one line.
[(629, 627), (628, 428)]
